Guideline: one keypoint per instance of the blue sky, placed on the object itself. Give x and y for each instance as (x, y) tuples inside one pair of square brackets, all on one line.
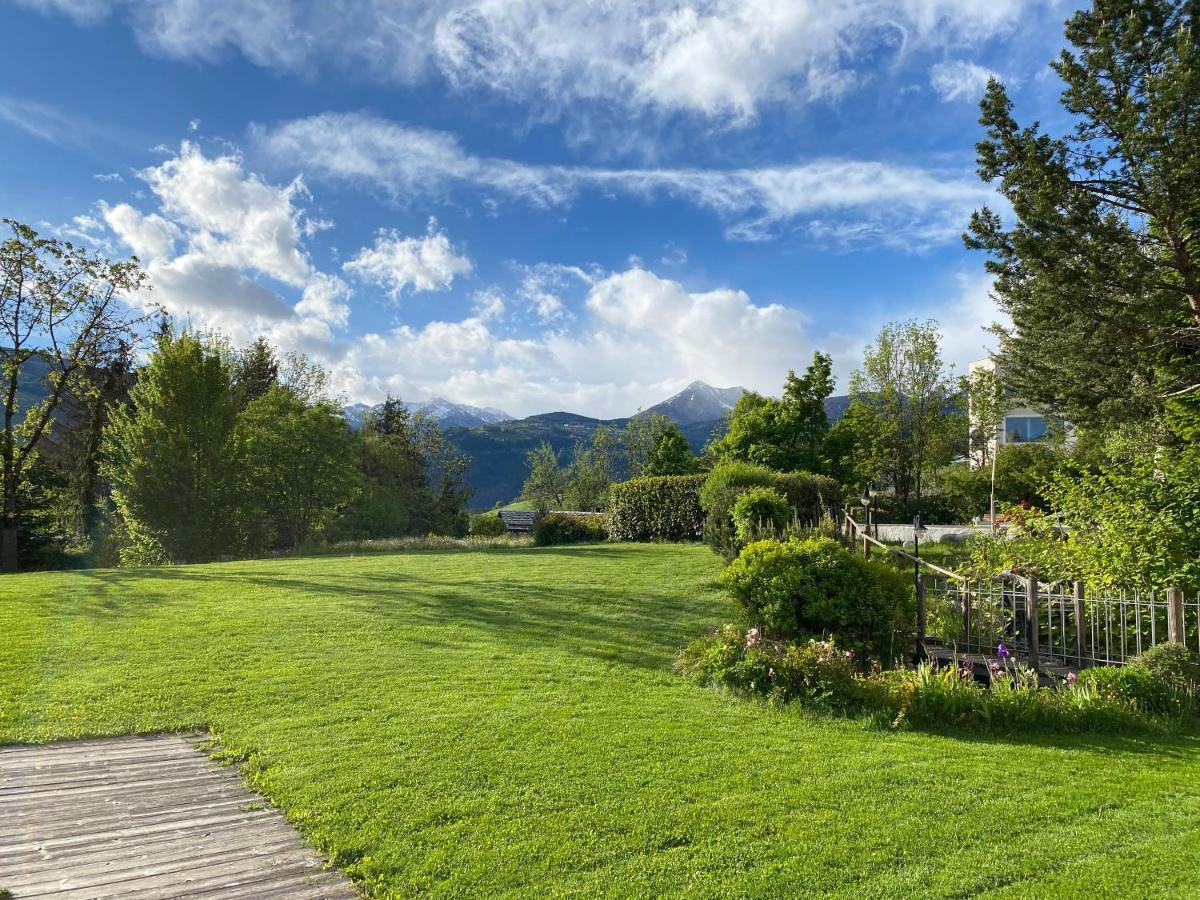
[(527, 204)]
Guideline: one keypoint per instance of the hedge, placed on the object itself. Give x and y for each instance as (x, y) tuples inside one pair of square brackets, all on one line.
[(565, 528), (662, 508)]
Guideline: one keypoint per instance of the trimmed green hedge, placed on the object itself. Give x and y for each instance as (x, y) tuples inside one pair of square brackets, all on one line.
[(662, 508)]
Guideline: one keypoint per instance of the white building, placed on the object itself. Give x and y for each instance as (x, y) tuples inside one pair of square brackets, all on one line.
[(1020, 424)]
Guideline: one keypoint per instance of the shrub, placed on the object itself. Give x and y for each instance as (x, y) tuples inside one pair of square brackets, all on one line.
[(662, 508), (1173, 663), (487, 524), (1140, 688), (794, 589), (760, 510), (564, 528), (816, 673), (808, 496)]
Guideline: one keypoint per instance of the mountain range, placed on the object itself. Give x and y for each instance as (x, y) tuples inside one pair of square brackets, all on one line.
[(498, 444), (447, 413)]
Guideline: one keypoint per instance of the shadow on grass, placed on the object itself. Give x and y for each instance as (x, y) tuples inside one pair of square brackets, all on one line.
[(631, 626)]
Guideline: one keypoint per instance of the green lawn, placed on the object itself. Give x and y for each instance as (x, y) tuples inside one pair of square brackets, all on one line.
[(506, 722)]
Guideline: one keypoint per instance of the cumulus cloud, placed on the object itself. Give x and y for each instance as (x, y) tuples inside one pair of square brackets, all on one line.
[(960, 80), (220, 246), (428, 263), (713, 57), (839, 199)]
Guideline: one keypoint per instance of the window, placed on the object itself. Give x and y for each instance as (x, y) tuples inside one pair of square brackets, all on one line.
[(1022, 429)]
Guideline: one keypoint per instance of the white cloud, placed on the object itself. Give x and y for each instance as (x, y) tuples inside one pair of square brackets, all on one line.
[(222, 244), (843, 200), (428, 263), (150, 237), (960, 80), (714, 57)]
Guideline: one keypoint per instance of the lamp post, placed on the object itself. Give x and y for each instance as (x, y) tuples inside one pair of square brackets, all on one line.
[(919, 582), (868, 502)]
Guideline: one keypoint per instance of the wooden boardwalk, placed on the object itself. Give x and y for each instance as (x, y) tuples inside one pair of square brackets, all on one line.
[(145, 817)]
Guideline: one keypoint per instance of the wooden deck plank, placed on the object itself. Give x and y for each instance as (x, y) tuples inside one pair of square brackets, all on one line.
[(145, 816)]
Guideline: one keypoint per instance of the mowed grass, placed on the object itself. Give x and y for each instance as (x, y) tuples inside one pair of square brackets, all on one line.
[(507, 723)]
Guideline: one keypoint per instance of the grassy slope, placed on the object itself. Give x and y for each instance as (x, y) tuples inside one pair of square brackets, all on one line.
[(485, 723)]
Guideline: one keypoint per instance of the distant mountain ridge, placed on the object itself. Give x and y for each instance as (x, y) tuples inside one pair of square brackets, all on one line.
[(447, 413)]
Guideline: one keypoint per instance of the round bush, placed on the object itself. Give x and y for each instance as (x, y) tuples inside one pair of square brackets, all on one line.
[(792, 589), (487, 525), (760, 510), (1138, 687), (564, 528), (1173, 663)]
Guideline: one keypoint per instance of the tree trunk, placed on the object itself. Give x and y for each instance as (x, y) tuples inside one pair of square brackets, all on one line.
[(8, 533)]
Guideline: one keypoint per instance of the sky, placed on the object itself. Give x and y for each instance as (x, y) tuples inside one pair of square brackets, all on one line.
[(533, 205)]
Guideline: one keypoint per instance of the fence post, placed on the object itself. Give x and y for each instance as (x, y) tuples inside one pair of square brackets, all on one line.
[(866, 546), (920, 617), (966, 601), (1175, 629), (1031, 621), (1080, 630)]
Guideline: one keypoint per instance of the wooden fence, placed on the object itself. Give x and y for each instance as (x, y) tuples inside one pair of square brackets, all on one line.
[(1063, 624)]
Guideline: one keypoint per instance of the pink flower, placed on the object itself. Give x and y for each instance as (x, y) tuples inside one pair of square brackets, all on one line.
[(1071, 678), (753, 637), (995, 667)]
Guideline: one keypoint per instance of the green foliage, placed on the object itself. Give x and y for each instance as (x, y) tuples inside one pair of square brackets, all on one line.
[(546, 484), (1098, 272), (487, 524), (1172, 663), (912, 431), (760, 511), (671, 455), (784, 434), (564, 528), (664, 508), (641, 437), (167, 456), (256, 371), (809, 496), (792, 589), (1022, 470), (592, 472), (1141, 688), (815, 673), (61, 310), (295, 465), (818, 675)]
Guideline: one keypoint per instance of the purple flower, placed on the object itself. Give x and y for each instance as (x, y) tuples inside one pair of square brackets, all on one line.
[(1002, 651)]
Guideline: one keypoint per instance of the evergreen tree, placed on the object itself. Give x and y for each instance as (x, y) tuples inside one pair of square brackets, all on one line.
[(256, 372), (1101, 270), (671, 454)]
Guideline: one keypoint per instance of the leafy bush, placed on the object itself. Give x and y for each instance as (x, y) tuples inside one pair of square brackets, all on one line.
[(819, 674), (662, 508), (564, 528), (809, 497), (1173, 663), (487, 524), (794, 589), (760, 510), (816, 672), (1140, 688)]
